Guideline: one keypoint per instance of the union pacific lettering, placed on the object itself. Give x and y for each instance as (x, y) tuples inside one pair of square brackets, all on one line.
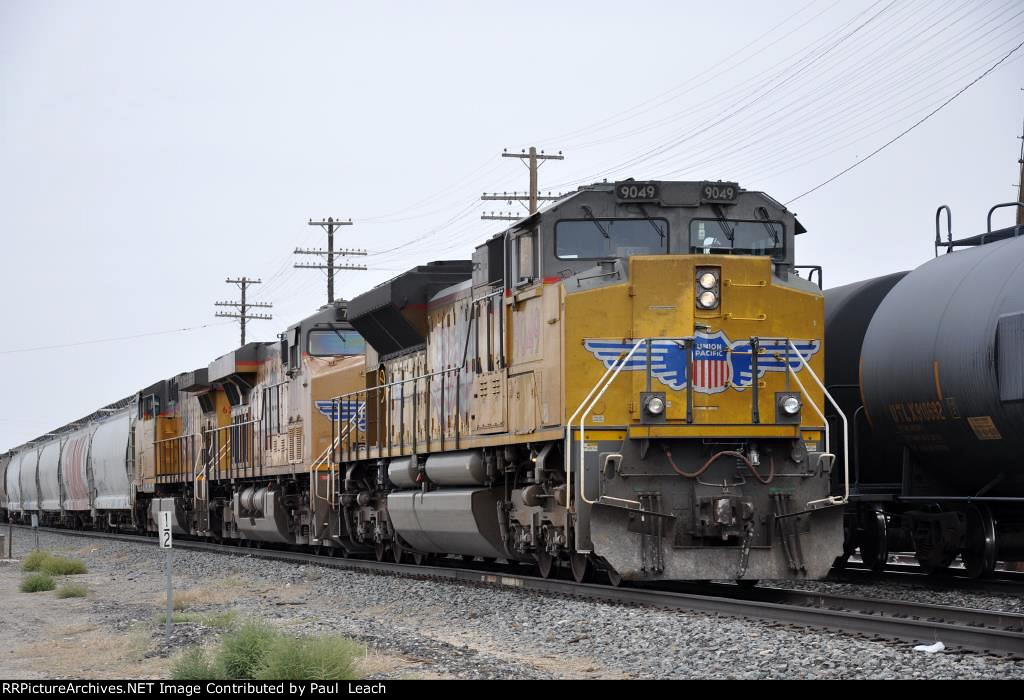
[(917, 412)]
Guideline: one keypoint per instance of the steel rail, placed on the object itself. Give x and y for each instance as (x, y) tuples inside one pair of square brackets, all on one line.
[(1001, 582), (958, 628)]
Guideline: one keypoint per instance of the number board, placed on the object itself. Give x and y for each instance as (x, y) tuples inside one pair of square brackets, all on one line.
[(719, 192), (166, 540), (637, 191)]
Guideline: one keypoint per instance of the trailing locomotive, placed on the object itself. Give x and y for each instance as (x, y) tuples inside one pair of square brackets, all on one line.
[(626, 380), (930, 364)]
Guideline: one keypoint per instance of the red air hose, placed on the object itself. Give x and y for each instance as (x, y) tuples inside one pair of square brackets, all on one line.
[(725, 453)]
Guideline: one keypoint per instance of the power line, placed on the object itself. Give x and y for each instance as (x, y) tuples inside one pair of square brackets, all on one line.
[(911, 128), (243, 307), (110, 340), (839, 119)]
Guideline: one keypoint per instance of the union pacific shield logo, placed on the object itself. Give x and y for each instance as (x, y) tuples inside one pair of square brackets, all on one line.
[(347, 410), (718, 364), (711, 368)]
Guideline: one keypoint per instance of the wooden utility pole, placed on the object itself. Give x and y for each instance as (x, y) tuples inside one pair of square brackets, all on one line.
[(330, 225), (243, 306), (533, 161)]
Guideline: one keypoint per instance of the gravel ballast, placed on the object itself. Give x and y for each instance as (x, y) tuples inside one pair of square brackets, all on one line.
[(428, 629)]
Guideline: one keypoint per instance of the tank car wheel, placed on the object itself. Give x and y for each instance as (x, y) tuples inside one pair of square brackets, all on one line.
[(398, 552), (979, 553), (874, 542), (545, 563), (580, 565), (381, 550), (418, 558)]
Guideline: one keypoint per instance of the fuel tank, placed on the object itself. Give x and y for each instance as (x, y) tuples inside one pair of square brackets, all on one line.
[(942, 369)]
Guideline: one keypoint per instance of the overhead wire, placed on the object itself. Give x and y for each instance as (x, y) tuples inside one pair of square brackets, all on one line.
[(909, 129), (762, 143), (97, 341)]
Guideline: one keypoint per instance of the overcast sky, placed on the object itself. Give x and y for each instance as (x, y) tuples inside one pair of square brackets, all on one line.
[(149, 150)]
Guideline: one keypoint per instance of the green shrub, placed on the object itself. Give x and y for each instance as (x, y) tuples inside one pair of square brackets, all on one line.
[(37, 582), (257, 651), (34, 561), (221, 620), (72, 590), (309, 659), (63, 566), (244, 651), (195, 665)]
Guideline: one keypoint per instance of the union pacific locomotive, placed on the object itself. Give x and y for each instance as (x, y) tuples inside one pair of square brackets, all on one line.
[(626, 380)]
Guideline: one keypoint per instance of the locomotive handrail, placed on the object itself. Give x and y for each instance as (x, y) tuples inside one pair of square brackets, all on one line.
[(833, 500), (568, 429), (325, 459), (378, 390), (601, 387)]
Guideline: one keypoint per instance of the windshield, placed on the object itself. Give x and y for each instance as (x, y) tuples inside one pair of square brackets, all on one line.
[(740, 237), (331, 343), (589, 239)]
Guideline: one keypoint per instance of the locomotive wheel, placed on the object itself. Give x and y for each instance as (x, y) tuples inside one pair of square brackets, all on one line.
[(874, 542), (381, 550), (979, 553), (545, 563), (580, 565)]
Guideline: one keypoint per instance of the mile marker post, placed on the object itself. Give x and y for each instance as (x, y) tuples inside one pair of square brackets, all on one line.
[(166, 542)]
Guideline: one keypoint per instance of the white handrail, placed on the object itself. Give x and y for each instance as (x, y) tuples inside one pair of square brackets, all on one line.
[(567, 451), (834, 500), (586, 414)]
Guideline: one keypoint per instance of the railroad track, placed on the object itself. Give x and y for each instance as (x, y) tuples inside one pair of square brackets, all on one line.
[(1001, 582), (957, 628)]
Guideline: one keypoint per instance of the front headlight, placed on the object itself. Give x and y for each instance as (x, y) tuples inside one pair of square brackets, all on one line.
[(655, 405), (790, 405), (707, 280), (708, 300)]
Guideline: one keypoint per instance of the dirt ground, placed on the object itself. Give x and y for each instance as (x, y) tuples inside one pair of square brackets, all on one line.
[(43, 636), (116, 631)]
